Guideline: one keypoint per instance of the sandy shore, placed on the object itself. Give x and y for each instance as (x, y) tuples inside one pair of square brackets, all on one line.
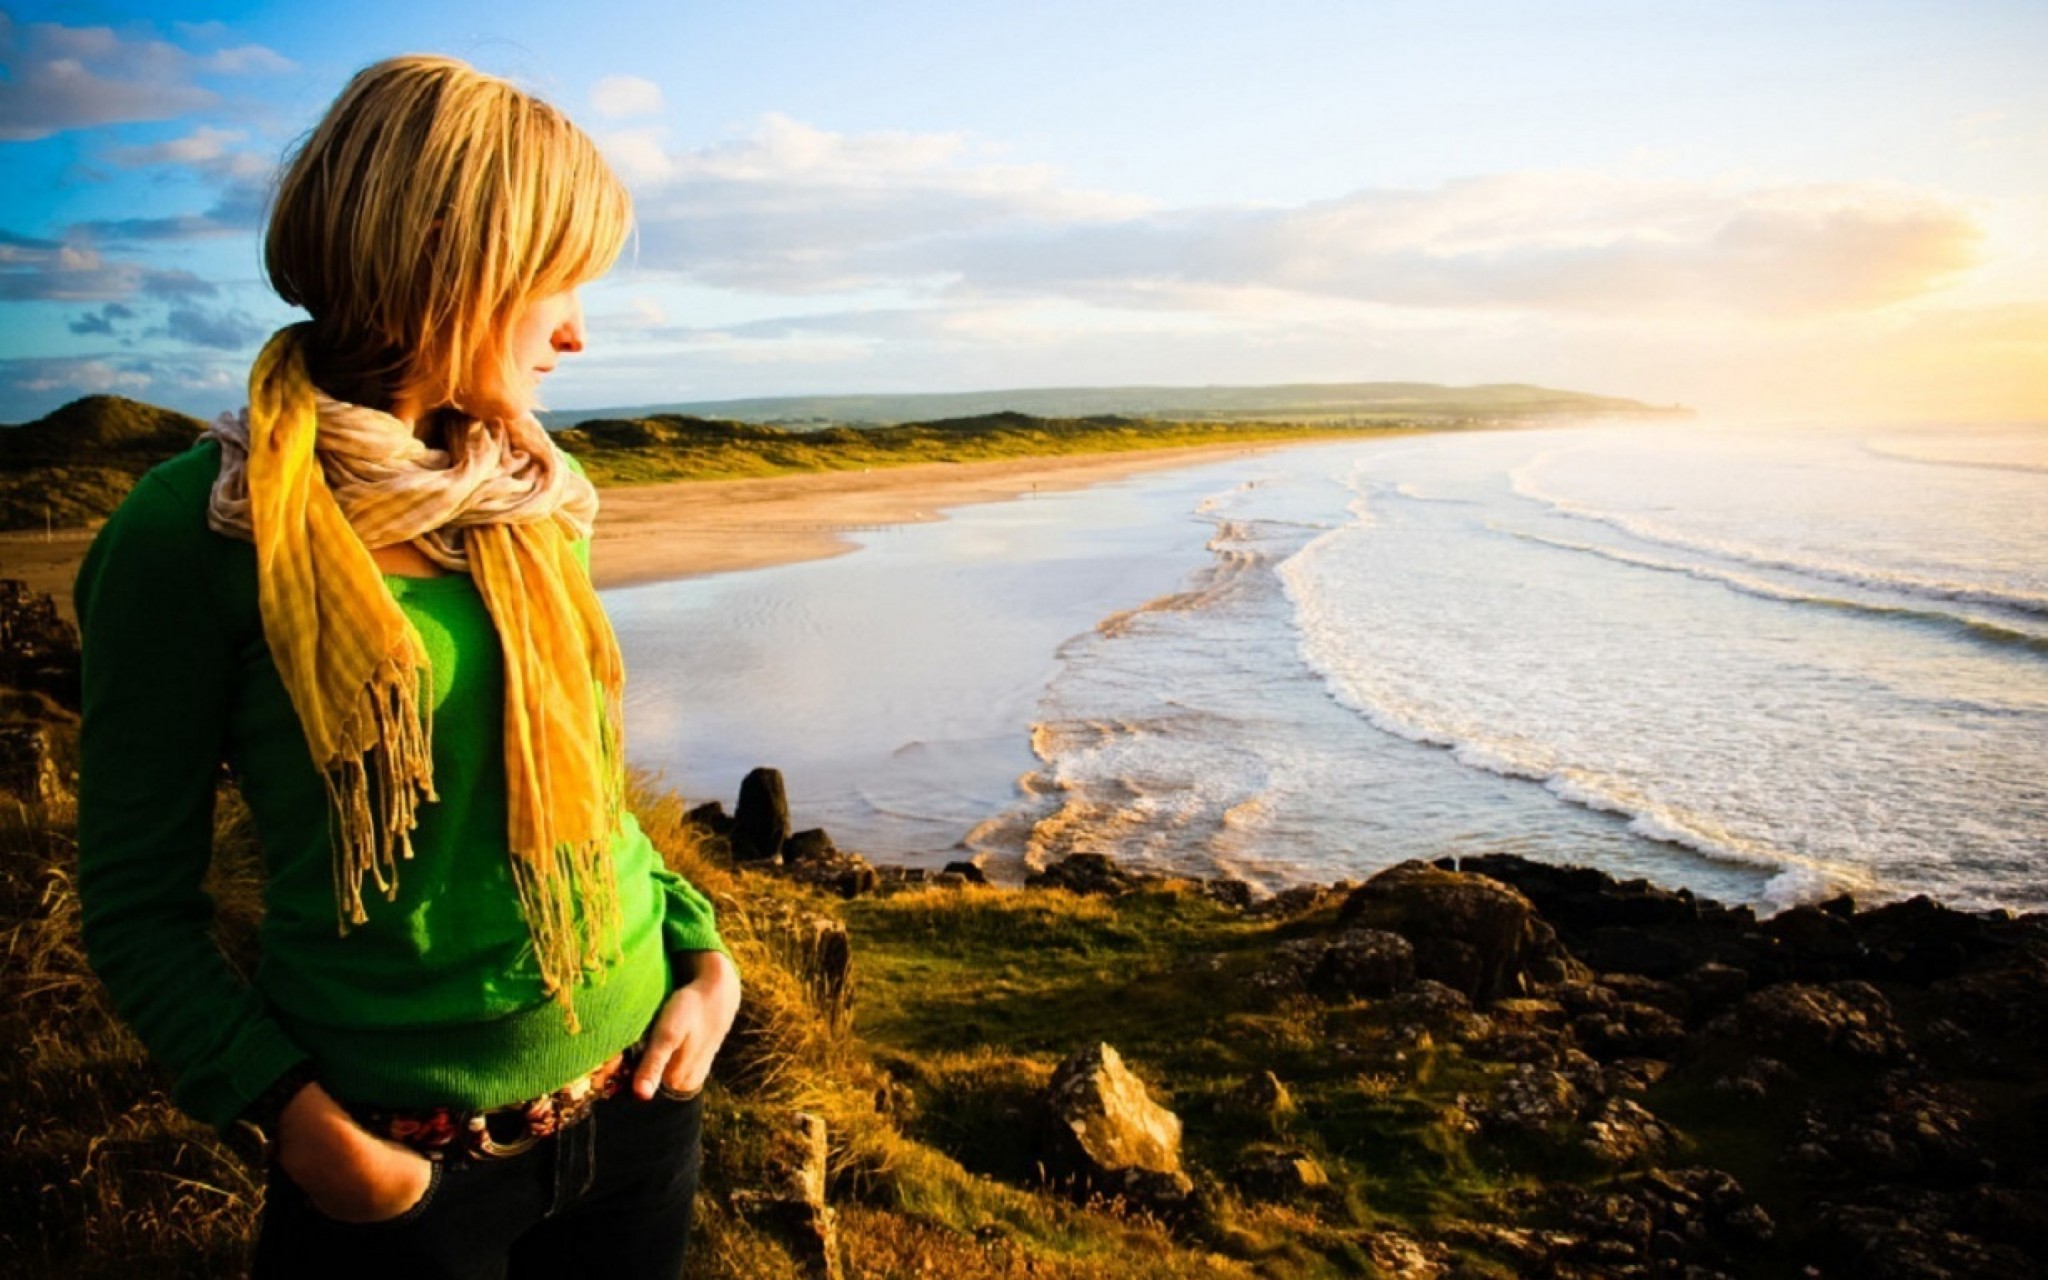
[(649, 533)]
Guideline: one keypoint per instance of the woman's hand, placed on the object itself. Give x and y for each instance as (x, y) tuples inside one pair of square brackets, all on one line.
[(348, 1174), (690, 1027)]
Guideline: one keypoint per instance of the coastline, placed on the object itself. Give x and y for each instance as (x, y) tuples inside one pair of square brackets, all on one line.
[(694, 528)]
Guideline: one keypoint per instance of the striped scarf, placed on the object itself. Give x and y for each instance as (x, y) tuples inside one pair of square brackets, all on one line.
[(315, 484)]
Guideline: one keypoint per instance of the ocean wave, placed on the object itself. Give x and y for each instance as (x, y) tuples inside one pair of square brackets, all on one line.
[(1979, 629), (1524, 486), (1795, 877), (1907, 454)]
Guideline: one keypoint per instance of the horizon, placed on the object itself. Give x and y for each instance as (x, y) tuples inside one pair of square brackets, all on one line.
[(1746, 209)]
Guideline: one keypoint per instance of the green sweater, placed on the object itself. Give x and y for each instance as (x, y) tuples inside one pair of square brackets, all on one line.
[(436, 1000)]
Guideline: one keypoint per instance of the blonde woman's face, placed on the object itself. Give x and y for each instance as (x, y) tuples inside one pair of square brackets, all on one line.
[(550, 328)]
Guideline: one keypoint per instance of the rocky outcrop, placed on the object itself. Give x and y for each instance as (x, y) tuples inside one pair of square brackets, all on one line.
[(1471, 933), (1884, 1065), (1105, 1134)]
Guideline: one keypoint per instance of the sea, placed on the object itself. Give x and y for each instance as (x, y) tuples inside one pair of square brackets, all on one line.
[(1769, 662)]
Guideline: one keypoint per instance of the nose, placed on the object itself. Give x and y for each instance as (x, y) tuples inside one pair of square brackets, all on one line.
[(568, 335)]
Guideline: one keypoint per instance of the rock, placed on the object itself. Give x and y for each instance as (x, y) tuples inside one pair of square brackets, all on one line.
[(1912, 1238), (1400, 1257), (1803, 1024), (967, 871), (1688, 1222), (1105, 1133), (1624, 1133), (1235, 894), (1261, 1098), (1278, 1173), (1906, 1127), (1820, 939), (1755, 1080), (1629, 1030), (1921, 941), (1301, 900), (787, 1194), (760, 823), (1473, 934), (1363, 964), (1094, 873), (811, 845), (1714, 986), (847, 874), (712, 817), (818, 949), (28, 765), (1533, 1102), (38, 648)]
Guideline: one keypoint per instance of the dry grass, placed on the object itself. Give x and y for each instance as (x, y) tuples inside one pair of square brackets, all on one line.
[(104, 1177)]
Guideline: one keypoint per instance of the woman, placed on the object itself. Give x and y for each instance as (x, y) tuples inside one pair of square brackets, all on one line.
[(484, 1009)]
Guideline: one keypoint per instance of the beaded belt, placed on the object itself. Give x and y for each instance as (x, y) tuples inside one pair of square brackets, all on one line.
[(449, 1133)]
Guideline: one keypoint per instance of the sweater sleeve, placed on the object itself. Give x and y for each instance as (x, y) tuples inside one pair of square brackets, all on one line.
[(688, 922), (158, 685)]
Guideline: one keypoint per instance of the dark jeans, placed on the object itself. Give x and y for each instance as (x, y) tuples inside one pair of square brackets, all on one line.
[(609, 1197)]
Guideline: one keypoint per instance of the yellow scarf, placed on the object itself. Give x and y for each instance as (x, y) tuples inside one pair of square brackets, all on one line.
[(354, 666)]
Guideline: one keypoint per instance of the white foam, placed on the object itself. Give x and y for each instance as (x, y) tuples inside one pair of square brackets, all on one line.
[(1523, 483)]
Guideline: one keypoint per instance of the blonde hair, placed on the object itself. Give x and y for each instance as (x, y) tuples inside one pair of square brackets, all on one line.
[(421, 215)]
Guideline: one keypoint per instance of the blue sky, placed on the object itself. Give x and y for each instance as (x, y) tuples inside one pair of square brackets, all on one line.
[(1792, 208)]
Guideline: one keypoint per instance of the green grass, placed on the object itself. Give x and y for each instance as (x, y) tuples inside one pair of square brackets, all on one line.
[(671, 447)]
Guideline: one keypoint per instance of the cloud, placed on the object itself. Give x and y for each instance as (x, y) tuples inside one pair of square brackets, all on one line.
[(71, 377), (796, 210), (791, 208), (621, 97), (61, 78), (205, 150), (237, 211), (195, 383), (225, 330), (100, 322)]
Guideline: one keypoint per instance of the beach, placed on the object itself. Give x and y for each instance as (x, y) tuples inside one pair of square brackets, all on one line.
[(651, 533)]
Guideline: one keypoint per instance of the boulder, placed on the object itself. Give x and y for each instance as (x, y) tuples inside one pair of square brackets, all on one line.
[(1906, 1127), (1104, 1133), (1363, 964), (1623, 1133), (1279, 1173), (847, 874), (969, 872), (711, 816), (1804, 1024), (1471, 933), (1093, 873), (810, 845), (760, 822), (1262, 1099)]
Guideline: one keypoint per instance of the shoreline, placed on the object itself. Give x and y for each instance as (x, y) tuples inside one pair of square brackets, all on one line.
[(696, 528)]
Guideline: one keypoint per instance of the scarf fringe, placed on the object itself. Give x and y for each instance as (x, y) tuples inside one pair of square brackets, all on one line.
[(383, 772), (355, 668)]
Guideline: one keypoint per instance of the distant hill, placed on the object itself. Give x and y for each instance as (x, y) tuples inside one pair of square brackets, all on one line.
[(1333, 403), (75, 464), (672, 446)]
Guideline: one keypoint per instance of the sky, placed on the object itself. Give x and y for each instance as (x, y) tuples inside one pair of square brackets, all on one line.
[(1794, 209)]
